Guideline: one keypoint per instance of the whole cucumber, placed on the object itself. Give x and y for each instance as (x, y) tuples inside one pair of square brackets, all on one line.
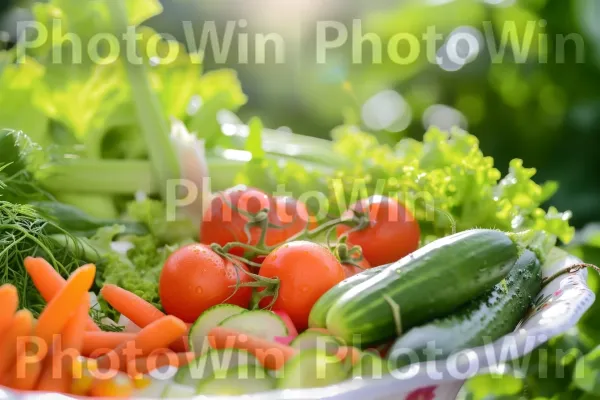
[(430, 283), (318, 313), (486, 319)]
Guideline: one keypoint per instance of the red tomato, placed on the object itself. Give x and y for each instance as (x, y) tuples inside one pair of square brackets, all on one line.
[(392, 232), (196, 278), (306, 271), (351, 270), (223, 225), (291, 215)]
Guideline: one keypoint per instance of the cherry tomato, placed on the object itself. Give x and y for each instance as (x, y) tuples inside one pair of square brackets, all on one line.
[(392, 232), (291, 216), (222, 224), (351, 270), (306, 271), (195, 278)]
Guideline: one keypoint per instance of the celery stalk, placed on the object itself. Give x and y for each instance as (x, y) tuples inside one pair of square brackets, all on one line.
[(154, 125)]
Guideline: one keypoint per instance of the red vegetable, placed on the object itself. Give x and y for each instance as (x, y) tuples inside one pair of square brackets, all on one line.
[(195, 278), (306, 271), (223, 224), (392, 233)]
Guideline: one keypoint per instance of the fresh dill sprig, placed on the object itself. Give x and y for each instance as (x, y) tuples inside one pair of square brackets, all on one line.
[(99, 319), (24, 232)]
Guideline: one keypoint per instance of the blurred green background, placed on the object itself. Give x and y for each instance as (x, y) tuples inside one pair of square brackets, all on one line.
[(545, 110)]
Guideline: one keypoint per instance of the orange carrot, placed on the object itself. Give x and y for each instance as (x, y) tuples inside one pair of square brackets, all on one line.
[(53, 379), (9, 301), (159, 360), (71, 339), (26, 379), (157, 335), (60, 309), (138, 310), (75, 329), (93, 341), (49, 282), (20, 326), (271, 355)]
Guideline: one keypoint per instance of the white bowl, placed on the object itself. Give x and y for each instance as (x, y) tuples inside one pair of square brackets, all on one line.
[(556, 309)]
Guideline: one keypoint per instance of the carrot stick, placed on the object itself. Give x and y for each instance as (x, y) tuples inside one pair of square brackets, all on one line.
[(157, 335), (49, 282), (54, 380), (94, 341), (159, 360), (25, 380), (20, 326), (71, 339), (55, 316), (270, 354), (138, 310), (9, 301), (75, 329)]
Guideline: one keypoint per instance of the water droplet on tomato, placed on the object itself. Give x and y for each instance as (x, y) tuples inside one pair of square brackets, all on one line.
[(199, 290)]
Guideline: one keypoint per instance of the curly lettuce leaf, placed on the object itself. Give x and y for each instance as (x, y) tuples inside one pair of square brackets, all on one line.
[(138, 273), (448, 178), (445, 180), (153, 214)]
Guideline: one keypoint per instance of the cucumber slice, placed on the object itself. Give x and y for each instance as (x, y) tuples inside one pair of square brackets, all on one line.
[(177, 391), (213, 361), (370, 366), (261, 323), (208, 320), (313, 368), (245, 379), (316, 340)]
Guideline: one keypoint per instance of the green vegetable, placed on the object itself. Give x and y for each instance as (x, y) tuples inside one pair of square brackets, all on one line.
[(313, 368), (243, 379), (208, 320), (486, 319), (23, 233), (211, 362), (138, 271), (318, 313), (432, 282)]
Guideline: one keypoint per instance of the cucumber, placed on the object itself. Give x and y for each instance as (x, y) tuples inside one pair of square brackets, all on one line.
[(208, 320), (261, 323), (245, 379), (211, 362), (311, 369), (315, 340), (318, 313), (430, 283), (492, 316)]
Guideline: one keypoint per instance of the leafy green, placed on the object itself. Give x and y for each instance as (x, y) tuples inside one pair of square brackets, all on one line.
[(153, 214), (139, 272), (444, 179)]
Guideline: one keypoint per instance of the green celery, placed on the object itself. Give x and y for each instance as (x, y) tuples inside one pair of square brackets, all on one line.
[(154, 126)]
